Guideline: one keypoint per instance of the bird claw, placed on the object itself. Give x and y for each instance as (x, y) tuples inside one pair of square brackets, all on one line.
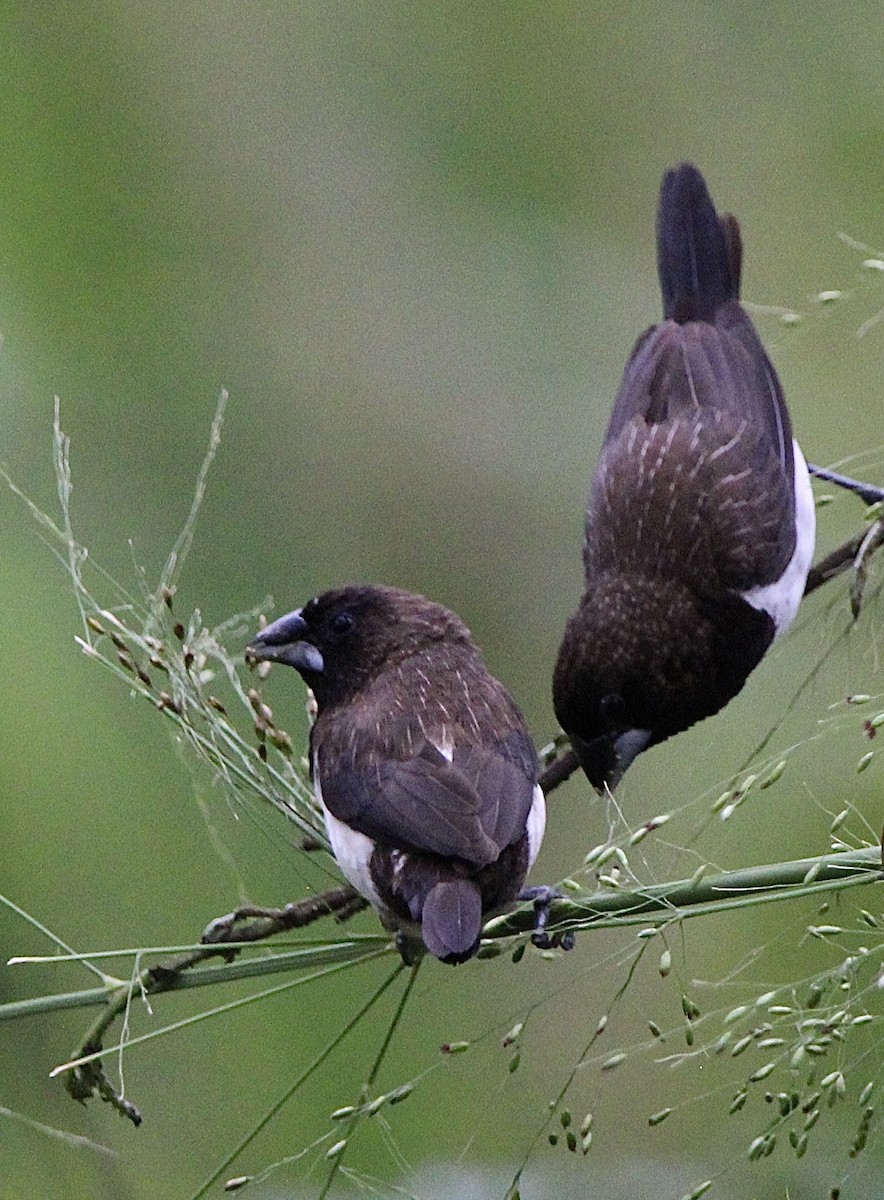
[(408, 950), (542, 898)]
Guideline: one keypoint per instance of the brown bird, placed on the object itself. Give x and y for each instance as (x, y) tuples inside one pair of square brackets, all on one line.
[(420, 759), (700, 522)]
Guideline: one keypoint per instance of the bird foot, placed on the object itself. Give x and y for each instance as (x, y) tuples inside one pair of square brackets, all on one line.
[(542, 898), (410, 950)]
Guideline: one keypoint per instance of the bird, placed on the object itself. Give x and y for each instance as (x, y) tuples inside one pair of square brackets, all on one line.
[(421, 762), (699, 527)]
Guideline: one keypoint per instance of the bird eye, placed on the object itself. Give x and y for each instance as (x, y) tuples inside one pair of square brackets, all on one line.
[(341, 624), (612, 709)]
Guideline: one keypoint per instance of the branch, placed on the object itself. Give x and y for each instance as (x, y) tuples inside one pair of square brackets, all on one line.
[(85, 1075), (187, 655), (858, 550), (658, 904), (666, 902), (342, 903), (557, 771), (834, 564), (869, 493)]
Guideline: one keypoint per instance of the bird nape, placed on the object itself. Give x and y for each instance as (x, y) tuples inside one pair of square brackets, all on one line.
[(420, 759), (699, 526)]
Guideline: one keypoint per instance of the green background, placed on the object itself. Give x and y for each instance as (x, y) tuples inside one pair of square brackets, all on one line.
[(415, 242)]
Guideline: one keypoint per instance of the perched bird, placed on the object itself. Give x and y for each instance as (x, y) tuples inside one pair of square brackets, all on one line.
[(421, 761), (700, 521)]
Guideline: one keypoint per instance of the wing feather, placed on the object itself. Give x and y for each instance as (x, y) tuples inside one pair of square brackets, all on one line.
[(470, 808)]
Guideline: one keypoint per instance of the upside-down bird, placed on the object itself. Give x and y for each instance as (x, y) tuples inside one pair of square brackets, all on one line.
[(421, 762), (699, 527)]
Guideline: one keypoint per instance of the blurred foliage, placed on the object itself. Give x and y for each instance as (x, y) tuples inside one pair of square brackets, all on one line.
[(416, 245)]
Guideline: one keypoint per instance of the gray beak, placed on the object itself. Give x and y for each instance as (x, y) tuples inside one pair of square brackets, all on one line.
[(606, 759), (627, 747), (284, 642)]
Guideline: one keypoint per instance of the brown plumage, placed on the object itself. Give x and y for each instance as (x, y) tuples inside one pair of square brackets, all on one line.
[(699, 524), (421, 760)]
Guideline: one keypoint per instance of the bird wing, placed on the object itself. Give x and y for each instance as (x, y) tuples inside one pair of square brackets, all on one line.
[(700, 438), (470, 807), (705, 501), (700, 369)]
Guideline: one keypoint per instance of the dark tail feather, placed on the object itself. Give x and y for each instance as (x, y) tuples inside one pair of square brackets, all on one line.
[(698, 254), (451, 920)]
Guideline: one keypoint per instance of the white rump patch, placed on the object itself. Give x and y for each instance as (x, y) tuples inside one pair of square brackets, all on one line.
[(781, 598)]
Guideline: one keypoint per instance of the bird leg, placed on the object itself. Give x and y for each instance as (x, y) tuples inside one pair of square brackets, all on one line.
[(542, 898), (410, 951)]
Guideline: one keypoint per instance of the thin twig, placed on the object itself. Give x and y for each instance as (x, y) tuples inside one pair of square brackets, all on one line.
[(301, 1079), (184, 541), (560, 769), (89, 1079), (365, 1091), (870, 543), (833, 564), (869, 493)]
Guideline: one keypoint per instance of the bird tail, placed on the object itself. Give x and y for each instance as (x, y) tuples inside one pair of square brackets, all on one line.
[(451, 921), (699, 254)]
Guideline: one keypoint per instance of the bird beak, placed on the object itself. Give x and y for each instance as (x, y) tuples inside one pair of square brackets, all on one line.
[(606, 759), (283, 642), (627, 747)]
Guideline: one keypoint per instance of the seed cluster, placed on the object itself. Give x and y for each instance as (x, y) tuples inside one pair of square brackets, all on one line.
[(174, 665)]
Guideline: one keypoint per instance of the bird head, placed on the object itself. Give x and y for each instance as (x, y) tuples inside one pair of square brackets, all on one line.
[(610, 742), (597, 708), (340, 639), (632, 671)]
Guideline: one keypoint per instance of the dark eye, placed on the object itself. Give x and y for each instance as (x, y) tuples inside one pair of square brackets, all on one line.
[(341, 624), (612, 709)]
